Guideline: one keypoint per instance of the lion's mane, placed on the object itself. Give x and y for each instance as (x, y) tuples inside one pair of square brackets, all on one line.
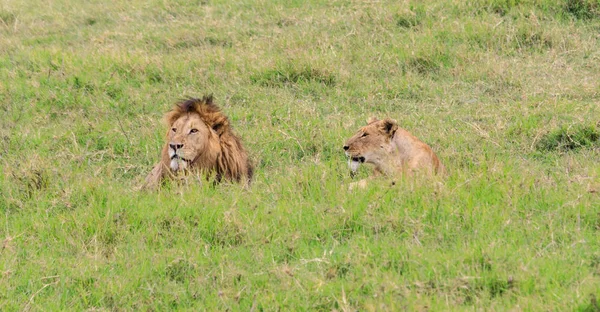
[(230, 160)]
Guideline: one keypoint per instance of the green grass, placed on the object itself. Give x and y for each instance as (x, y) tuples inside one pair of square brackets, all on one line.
[(571, 138), (505, 92)]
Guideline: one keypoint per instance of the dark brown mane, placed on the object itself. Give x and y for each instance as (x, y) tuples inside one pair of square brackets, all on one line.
[(205, 108), (190, 104)]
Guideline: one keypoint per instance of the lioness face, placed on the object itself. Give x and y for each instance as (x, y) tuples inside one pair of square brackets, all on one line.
[(188, 137), (371, 143)]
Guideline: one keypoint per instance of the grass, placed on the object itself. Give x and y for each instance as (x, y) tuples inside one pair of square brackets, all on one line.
[(505, 92), (568, 138)]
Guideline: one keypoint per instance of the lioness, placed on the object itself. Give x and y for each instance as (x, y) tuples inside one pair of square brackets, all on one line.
[(392, 150), (200, 140)]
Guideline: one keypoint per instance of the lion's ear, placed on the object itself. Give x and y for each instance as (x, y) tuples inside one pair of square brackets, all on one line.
[(218, 128), (220, 125), (372, 119), (389, 127)]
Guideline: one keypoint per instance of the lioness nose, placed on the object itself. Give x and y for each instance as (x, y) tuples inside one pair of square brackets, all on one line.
[(346, 147), (175, 146)]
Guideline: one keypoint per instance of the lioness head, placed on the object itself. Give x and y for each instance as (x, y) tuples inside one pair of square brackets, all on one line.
[(371, 143)]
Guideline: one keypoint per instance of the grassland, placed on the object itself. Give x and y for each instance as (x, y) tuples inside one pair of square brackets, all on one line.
[(506, 92)]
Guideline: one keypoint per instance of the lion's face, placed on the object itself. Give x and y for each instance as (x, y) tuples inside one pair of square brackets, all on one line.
[(371, 144), (200, 140), (187, 139)]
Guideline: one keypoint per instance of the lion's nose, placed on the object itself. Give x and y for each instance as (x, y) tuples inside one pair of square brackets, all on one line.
[(346, 147), (175, 146)]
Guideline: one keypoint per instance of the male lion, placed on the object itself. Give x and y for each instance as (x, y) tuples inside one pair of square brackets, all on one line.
[(200, 140), (392, 150)]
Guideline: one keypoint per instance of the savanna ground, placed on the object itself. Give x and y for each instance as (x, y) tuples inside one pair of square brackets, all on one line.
[(506, 92)]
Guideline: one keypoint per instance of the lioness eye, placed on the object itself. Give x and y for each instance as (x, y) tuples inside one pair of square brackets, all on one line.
[(174, 129), (364, 135), (193, 130)]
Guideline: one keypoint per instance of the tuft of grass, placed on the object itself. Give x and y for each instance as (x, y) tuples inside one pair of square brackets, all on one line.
[(290, 74), (593, 304), (7, 18), (90, 21), (428, 63), (532, 39), (583, 9), (570, 138), (423, 65), (500, 8), (180, 270), (414, 17), (199, 42)]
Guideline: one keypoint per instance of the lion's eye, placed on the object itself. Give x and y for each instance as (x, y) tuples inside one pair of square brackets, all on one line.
[(194, 130), (364, 135), (174, 129)]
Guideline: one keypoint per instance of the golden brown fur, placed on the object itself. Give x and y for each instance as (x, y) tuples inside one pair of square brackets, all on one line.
[(200, 140), (392, 150)]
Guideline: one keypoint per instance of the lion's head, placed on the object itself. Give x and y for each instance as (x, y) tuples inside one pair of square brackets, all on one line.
[(199, 138), (371, 143)]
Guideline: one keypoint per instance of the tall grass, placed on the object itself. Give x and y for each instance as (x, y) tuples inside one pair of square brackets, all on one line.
[(506, 93)]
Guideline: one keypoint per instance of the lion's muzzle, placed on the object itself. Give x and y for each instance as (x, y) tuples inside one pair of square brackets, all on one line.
[(175, 150), (175, 146), (178, 161)]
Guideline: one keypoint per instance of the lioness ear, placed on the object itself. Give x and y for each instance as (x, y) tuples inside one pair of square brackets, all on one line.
[(372, 119), (389, 126)]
